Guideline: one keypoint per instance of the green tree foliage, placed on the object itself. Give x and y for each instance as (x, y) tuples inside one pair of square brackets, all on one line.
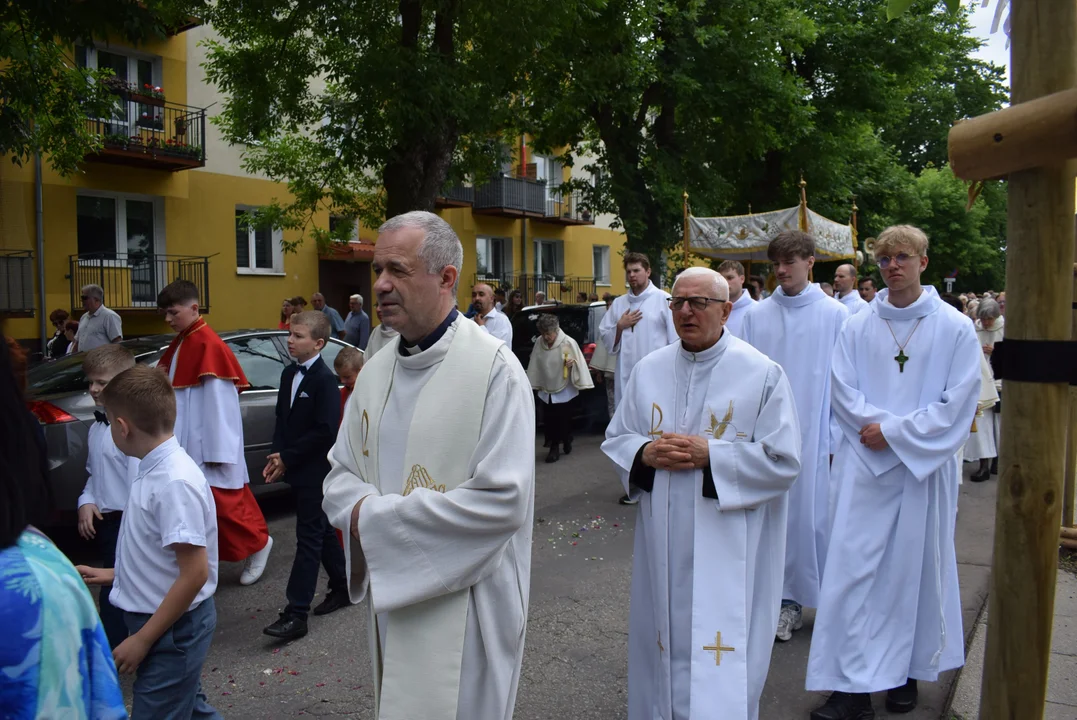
[(45, 98), (368, 107), (970, 241)]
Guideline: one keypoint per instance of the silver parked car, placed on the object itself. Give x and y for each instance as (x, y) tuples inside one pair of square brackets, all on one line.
[(58, 395)]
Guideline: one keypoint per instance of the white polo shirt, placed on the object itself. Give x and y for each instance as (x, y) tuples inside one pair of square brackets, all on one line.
[(98, 328), (110, 472), (170, 502)]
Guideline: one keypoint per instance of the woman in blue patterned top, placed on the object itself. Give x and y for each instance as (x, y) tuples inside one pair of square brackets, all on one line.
[(55, 660)]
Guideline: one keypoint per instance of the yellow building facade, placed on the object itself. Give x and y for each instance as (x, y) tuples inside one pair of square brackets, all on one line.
[(161, 202)]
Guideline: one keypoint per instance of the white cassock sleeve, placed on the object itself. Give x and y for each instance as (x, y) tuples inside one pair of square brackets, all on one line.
[(924, 439), (749, 474), (625, 434), (671, 328), (221, 421), (429, 544), (607, 328)]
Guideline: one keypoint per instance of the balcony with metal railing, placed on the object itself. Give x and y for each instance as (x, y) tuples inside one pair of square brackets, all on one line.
[(565, 206), (148, 132), (564, 289), (16, 282), (133, 281), (511, 197), (454, 196)]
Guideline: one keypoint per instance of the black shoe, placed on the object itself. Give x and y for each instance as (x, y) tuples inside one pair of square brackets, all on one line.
[(333, 601), (994, 466), (554, 455), (845, 706), (568, 447), (981, 476), (287, 628), (902, 699), (629, 500), (546, 442)]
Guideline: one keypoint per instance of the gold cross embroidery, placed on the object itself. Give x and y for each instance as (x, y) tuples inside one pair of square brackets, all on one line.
[(656, 427), (364, 430), (717, 648)]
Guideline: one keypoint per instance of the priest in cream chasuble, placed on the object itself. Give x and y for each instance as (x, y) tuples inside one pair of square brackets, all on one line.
[(708, 430), (432, 477), (906, 380)]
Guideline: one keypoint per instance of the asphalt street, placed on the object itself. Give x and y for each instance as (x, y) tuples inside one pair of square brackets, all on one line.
[(575, 664)]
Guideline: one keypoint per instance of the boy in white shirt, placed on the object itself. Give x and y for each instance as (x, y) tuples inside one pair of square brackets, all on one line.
[(108, 482), (166, 557)]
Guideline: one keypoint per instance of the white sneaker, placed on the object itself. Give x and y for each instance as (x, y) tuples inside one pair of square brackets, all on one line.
[(255, 565), (792, 618)]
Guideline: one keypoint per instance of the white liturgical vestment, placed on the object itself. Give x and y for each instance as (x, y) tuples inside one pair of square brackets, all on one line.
[(209, 427), (853, 302), (890, 607), (445, 461), (708, 556), (379, 338), (736, 316), (799, 333), (654, 330)]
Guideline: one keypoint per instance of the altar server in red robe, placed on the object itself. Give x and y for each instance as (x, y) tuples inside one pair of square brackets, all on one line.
[(207, 379)]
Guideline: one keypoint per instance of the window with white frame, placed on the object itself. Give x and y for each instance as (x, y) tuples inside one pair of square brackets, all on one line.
[(119, 226), (336, 221), (139, 72), (549, 258), (258, 250), (493, 257), (600, 264)]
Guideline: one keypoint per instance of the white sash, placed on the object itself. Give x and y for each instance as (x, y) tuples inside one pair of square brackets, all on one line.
[(419, 676), (720, 609)]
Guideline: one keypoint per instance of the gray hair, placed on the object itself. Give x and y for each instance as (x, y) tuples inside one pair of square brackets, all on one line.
[(440, 247), (357, 298), (988, 309), (94, 291), (547, 322), (721, 287)]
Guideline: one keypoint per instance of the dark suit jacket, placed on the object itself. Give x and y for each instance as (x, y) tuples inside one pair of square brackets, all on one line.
[(306, 431)]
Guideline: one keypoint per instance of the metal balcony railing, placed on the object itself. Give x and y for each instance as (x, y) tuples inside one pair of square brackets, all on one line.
[(563, 289), (567, 207), (516, 197), (144, 131), (456, 196), (16, 281), (133, 281)]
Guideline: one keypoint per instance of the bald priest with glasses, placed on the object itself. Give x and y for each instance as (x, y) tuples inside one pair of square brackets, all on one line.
[(707, 429)]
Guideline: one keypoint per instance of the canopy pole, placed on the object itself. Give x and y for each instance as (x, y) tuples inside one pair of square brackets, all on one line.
[(856, 240), (685, 228), (1039, 292), (803, 215)]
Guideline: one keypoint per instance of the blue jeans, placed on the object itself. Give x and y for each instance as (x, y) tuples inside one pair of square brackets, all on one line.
[(108, 532), (169, 685)]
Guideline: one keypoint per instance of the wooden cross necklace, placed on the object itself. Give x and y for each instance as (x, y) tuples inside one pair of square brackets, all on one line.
[(901, 358)]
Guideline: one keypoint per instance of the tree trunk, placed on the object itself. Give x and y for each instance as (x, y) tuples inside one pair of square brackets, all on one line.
[(1039, 286)]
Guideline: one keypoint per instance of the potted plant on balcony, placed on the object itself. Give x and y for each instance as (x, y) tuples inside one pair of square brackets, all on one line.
[(116, 86), (148, 95), (585, 214), (150, 122), (181, 126)]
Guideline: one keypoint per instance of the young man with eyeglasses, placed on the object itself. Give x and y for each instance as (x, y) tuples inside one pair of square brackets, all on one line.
[(714, 460), (797, 327), (638, 323), (906, 381)]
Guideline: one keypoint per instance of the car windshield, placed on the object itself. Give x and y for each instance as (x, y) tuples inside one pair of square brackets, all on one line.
[(66, 376)]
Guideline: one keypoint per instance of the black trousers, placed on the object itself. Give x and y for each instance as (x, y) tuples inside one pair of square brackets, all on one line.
[(557, 421), (315, 544), (108, 532)]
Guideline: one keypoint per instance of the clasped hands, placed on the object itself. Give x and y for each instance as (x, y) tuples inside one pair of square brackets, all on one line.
[(673, 451), (871, 435), (274, 468)]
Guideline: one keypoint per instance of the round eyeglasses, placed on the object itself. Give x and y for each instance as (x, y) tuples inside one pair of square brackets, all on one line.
[(902, 259)]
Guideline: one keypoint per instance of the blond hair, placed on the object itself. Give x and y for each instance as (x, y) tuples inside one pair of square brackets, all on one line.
[(896, 237), (348, 357), (144, 398), (316, 321), (108, 359)]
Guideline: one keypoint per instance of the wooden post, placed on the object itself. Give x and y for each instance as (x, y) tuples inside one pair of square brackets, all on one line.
[(1039, 290), (1068, 488), (686, 233)]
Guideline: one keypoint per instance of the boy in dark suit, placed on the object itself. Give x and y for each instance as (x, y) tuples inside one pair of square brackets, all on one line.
[(308, 414)]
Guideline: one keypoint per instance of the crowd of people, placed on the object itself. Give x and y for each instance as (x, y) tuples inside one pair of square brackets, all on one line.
[(825, 476)]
